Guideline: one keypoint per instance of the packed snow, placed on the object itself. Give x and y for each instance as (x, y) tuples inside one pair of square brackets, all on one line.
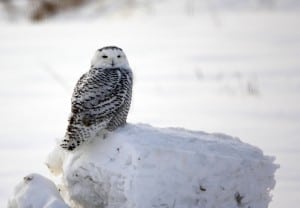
[(231, 72), (36, 191), (143, 166)]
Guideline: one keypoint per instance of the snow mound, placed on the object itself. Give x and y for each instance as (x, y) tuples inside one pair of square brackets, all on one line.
[(142, 166), (36, 191), (55, 159)]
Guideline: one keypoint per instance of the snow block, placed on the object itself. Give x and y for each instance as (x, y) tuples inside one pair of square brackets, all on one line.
[(36, 191), (142, 166)]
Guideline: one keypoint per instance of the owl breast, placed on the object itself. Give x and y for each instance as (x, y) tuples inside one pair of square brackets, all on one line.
[(120, 116)]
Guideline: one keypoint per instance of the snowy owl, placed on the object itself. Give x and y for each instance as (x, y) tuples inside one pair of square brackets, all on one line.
[(101, 98)]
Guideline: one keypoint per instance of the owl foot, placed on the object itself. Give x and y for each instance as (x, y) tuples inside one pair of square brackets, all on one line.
[(103, 134)]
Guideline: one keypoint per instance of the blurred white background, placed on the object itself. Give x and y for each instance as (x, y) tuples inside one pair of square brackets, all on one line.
[(225, 66)]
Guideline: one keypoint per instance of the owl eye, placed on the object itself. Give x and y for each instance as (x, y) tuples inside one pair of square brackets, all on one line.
[(105, 56), (119, 56)]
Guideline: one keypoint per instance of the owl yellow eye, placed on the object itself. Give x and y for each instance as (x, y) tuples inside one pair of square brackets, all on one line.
[(105, 56)]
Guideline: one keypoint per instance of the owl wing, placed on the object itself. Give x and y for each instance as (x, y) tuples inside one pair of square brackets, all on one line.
[(98, 92)]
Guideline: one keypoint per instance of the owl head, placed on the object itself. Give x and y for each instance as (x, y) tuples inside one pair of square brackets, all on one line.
[(109, 57)]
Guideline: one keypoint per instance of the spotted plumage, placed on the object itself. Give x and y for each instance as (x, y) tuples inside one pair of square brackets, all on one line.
[(101, 98)]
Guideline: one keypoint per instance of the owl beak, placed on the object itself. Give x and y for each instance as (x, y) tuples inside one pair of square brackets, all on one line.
[(112, 63)]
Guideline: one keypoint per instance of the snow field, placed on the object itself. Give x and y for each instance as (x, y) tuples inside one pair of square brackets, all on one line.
[(198, 79)]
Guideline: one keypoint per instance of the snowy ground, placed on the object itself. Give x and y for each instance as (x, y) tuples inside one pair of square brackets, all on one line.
[(235, 73), (141, 166)]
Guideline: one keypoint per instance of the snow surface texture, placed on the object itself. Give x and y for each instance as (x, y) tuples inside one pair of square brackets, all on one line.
[(36, 191), (143, 166)]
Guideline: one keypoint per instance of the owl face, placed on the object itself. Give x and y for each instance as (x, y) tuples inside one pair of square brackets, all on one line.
[(109, 57)]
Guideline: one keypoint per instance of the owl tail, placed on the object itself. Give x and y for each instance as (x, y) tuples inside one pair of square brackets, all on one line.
[(69, 143)]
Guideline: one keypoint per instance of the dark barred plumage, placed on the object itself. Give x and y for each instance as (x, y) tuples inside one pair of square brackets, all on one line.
[(100, 101)]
